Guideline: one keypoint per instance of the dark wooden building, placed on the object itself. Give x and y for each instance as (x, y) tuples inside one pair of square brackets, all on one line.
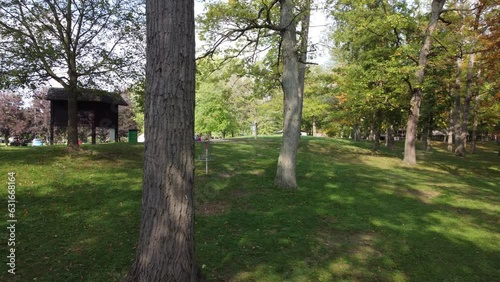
[(96, 108)]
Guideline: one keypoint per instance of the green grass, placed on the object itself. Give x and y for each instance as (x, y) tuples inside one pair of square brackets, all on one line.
[(357, 216)]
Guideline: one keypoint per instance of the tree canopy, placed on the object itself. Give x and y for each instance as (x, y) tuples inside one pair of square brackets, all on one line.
[(72, 42)]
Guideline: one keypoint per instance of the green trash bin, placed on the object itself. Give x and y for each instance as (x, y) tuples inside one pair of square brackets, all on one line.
[(132, 136)]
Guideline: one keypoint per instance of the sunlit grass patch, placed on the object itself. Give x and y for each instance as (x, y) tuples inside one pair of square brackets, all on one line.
[(358, 215)]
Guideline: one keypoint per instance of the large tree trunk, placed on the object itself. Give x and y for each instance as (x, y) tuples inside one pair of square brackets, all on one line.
[(285, 173), (73, 118), (166, 249), (416, 100), (73, 84)]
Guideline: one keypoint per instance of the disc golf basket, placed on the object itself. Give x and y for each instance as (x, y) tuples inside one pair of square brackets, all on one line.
[(205, 154)]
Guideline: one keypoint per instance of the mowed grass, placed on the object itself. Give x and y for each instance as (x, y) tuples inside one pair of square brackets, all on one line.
[(357, 216)]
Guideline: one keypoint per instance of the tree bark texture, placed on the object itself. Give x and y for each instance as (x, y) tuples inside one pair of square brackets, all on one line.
[(464, 130), (459, 149), (356, 132), (166, 250), (474, 126), (389, 139), (285, 173), (304, 40), (73, 119), (416, 100), (73, 84), (376, 130), (449, 136)]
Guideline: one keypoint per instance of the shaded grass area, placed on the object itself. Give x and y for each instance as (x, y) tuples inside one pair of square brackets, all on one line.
[(357, 216)]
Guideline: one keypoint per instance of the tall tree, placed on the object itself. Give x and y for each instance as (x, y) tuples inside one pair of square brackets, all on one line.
[(374, 42), (285, 173), (74, 42), (166, 250), (410, 156), (253, 27), (214, 113)]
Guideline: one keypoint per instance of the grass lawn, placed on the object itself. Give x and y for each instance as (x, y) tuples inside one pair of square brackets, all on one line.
[(357, 216)]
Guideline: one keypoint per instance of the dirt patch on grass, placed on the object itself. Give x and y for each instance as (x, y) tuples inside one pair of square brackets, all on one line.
[(424, 196), (358, 245), (212, 208), (218, 207)]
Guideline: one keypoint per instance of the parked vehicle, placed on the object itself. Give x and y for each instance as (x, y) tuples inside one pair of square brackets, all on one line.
[(36, 142)]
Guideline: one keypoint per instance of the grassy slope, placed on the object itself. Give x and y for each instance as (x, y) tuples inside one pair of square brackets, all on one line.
[(357, 216)]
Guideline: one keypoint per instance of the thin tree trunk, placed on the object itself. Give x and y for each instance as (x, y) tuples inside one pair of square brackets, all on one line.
[(416, 100), (304, 39), (425, 138), (474, 134), (376, 130), (470, 79), (166, 249), (450, 132), (371, 133), (356, 132), (390, 137), (427, 133), (459, 150), (285, 173), (474, 126), (314, 130), (469, 85)]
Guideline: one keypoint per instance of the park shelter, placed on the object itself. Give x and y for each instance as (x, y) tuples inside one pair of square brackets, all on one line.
[(96, 108)]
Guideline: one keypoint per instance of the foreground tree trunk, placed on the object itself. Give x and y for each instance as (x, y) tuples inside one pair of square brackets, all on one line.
[(416, 100), (285, 173), (166, 250)]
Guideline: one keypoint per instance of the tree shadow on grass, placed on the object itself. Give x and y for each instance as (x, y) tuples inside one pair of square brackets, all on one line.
[(83, 233), (348, 221)]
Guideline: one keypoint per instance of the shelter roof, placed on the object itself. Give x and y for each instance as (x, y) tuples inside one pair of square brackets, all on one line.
[(87, 95)]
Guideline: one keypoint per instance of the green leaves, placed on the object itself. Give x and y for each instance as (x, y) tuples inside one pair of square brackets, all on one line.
[(95, 40)]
